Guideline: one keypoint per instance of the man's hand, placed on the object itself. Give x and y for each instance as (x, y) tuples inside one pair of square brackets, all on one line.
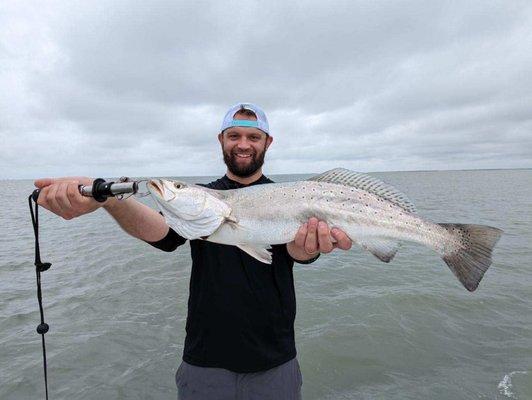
[(315, 237), (61, 196)]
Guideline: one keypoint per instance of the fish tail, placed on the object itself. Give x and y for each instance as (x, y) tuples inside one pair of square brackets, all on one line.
[(472, 258)]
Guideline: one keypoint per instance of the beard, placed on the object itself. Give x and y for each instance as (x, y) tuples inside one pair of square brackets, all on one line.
[(244, 171)]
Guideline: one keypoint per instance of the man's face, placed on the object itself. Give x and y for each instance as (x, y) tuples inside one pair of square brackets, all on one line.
[(244, 149)]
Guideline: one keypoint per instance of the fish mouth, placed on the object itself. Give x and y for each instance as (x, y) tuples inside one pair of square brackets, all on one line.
[(156, 186)]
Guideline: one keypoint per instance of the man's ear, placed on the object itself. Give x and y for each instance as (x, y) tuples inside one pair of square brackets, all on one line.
[(269, 141), (221, 138)]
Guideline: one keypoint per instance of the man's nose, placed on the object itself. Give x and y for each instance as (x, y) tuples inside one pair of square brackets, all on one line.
[(243, 143)]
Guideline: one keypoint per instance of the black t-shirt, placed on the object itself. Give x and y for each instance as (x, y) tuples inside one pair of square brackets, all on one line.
[(241, 311)]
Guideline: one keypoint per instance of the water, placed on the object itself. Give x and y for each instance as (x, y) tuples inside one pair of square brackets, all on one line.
[(364, 329)]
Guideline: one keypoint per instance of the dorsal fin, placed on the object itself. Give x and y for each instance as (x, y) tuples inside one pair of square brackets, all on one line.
[(368, 183)]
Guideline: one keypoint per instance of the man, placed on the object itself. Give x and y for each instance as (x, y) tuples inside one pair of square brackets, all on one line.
[(241, 312)]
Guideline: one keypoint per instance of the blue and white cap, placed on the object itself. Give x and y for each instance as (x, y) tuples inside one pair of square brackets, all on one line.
[(261, 122)]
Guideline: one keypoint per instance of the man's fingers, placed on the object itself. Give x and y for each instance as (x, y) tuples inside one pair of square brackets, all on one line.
[(301, 235), (73, 194), (63, 201), (43, 182), (311, 241), (315, 236), (62, 197), (51, 199), (342, 240), (324, 239), (41, 200)]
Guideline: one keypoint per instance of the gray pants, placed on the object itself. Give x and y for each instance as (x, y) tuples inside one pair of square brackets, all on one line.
[(199, 383)]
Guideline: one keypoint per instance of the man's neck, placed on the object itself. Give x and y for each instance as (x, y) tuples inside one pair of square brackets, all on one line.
[(247, 180)]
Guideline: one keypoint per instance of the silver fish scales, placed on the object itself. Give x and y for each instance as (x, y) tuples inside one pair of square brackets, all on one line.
[(374, 215)]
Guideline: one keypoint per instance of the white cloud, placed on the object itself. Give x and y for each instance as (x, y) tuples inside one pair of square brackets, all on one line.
[(135, 88)]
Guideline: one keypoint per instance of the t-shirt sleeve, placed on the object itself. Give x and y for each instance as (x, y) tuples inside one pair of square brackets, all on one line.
[(170, 242)]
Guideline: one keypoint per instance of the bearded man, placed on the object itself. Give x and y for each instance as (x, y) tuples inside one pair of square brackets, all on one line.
[(240, 325)]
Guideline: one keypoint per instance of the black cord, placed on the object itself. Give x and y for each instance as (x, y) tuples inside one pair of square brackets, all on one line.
[(40, 267)]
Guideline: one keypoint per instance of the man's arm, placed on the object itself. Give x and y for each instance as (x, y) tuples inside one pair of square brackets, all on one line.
[(315, 237), (137, 219), (61, 196)]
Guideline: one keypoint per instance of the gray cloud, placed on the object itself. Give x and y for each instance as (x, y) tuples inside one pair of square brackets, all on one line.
[(139, 89)]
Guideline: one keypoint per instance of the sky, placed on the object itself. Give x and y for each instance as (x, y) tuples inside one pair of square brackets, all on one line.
[(137, 88)]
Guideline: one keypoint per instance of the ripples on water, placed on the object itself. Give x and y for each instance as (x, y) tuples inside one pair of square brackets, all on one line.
[(364, 329)]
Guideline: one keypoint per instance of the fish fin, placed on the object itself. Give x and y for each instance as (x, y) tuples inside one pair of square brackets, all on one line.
[(234, 224), (258, 251), (368, 183), (471, 262), (231, 220), (383, 249)]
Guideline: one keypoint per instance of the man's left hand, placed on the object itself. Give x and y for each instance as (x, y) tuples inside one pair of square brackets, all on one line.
[(316, 237)]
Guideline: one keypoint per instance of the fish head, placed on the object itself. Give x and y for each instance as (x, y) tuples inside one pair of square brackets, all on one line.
[(186, 200), (191, 210)]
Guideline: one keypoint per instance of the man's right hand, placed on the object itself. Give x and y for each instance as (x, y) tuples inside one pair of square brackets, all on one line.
[(61, 196)]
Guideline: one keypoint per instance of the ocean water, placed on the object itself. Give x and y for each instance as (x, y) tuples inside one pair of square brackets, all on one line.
[(364, 329)]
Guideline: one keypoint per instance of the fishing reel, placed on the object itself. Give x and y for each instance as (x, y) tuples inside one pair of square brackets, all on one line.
[(101, 189)]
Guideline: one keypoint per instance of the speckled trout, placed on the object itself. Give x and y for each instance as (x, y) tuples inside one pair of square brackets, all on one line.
[(373, 214)]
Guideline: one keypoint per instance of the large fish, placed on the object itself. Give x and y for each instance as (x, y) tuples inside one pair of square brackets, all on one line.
[(373, 214)]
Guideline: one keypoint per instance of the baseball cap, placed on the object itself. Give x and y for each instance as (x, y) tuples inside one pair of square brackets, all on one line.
[(261, 122)]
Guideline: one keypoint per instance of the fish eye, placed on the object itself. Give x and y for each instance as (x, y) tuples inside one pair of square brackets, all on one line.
[(177, 185)]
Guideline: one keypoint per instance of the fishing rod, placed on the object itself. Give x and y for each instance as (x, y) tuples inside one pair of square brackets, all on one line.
[(100, 190)]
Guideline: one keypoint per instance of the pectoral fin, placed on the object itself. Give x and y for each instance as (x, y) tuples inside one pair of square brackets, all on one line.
[(260, 252), (383, 249)]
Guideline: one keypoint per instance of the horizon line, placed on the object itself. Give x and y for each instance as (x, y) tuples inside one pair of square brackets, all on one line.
[(316, 173)]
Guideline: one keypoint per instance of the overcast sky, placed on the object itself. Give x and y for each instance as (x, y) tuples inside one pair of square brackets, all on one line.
[(139, 88)]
